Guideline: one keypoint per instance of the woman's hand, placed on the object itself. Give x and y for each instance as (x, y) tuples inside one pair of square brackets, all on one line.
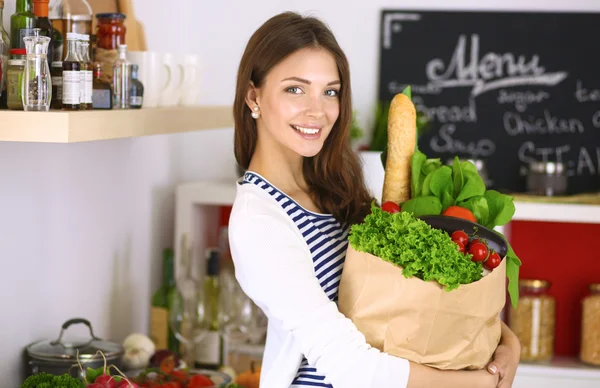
[(506, 358)]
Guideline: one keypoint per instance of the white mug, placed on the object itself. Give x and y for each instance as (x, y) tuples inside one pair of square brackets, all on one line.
[(154, 73), (190, 87)]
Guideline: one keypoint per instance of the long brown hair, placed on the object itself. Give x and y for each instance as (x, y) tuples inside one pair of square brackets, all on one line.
[(334, 176)]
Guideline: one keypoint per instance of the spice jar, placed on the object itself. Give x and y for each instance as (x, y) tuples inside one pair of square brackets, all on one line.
[(18, 53), (547, 178), (14, 83), (110, 30), (534, 320), (590, 327), (56, 71)]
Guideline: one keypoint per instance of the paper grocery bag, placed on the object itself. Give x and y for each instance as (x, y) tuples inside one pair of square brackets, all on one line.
[(421, 321)]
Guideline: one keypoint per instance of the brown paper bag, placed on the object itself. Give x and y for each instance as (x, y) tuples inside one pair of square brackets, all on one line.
[(420, 321)]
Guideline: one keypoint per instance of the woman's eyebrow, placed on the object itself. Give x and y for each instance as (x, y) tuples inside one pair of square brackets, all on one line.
[(305, 81)]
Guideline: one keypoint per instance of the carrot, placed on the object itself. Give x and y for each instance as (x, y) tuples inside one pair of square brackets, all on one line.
[(402, 140)]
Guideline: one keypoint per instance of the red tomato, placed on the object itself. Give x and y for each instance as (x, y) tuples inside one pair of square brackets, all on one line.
[(179, 375), (460, 212), (492, 261), (390, 207), (461, 247), (479, 251), (474, 241), (461, 237), (198, 381)]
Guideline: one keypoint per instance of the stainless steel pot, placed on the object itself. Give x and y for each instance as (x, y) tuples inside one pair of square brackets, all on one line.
[(59, 356)]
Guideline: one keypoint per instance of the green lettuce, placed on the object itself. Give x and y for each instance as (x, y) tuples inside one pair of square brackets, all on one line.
[(422, 251)]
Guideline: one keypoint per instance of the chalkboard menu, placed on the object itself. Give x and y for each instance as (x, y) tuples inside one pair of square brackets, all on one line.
[(508, 88)]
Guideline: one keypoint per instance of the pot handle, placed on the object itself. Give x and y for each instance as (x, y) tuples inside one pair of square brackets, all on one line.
[(72, 322)]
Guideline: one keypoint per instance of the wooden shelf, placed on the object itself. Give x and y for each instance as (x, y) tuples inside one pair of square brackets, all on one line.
[(71, 127)]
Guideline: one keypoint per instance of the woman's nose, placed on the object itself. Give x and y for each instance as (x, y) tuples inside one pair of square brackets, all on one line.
[(315, 107)]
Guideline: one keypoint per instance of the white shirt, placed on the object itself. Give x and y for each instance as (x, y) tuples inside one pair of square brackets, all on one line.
[(274, 267)]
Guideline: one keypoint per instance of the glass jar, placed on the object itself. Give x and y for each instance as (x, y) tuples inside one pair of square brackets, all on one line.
[(547, 178), (590, 327), (110, 30), (18, 53), (14, 80), (534, 320)]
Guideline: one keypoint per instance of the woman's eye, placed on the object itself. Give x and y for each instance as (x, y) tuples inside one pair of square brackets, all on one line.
[(332, 93), (294, 90)]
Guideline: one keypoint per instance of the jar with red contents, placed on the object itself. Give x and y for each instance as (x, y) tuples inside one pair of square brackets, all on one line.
[(110, 30)]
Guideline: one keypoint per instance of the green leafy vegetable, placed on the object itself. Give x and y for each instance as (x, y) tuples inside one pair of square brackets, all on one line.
[(502, 208), (419, 249), (479, 206), (46, 380), (422, 206), (435, 187), (417, 161)]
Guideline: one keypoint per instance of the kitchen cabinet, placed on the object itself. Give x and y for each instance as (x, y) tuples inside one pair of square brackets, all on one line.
[(69, 127)]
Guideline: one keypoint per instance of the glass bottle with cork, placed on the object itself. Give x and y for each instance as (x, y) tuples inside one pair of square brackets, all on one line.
[(40, 10), (209, 352), (4, 47), (101, 90), (22, 23), (71, 76), (86, 72), (121, 79)]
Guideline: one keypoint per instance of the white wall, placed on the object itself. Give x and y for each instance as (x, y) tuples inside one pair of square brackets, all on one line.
[(82, 225)]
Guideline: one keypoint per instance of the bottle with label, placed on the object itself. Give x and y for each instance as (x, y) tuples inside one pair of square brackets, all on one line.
[(209, 352), (136, 91), (40, 10), (101, 90), (22, 23), (56, 72), (86, 73), (71, 77), (162, 302), (4, 47)]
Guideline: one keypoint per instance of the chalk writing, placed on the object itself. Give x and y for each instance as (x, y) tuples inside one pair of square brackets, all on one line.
[(515, 124), (585, 95), (445, 143), (596, 119), (447, 114), (491, 71), (521, 100)]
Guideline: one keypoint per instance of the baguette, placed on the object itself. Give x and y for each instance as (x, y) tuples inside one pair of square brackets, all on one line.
[(402, 140)]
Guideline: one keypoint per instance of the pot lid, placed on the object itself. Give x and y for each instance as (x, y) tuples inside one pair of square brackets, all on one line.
[(87, 349)]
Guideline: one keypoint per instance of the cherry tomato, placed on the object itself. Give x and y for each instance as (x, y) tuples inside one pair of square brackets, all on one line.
[(460, 212), (461, 246), (492, 261), (200, 381), (390, 207), (479, 251), (461, 237)]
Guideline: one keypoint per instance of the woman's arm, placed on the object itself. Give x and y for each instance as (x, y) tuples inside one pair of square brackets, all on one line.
[(506, 357), (275, 269), (424, 377)]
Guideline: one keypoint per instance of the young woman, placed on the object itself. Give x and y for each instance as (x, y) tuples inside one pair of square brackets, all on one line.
[(289, 225)]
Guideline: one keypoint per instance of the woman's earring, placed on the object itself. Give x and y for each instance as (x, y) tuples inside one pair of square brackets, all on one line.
[(255, 114)]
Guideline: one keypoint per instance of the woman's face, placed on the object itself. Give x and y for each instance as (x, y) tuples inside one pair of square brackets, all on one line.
[(299, 102)]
